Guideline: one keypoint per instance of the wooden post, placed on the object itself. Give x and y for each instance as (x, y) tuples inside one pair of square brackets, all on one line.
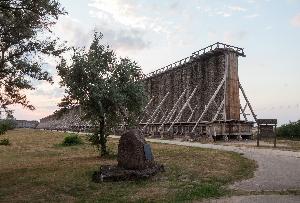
[(258, 134), (275, 138), (223, 128), (240, 134), (232, 99)]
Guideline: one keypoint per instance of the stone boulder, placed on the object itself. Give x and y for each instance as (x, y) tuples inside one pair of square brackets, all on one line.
[(131, 151), (135, 160)]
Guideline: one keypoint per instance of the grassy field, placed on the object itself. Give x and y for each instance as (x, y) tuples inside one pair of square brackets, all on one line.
[(285, 144), (293, 145), (35, 168)]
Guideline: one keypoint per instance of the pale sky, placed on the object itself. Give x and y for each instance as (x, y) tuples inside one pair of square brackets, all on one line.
[(158, 32)]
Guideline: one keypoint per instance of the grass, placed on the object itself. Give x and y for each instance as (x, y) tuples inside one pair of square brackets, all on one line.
[(268, 143), (284, 144), (35, 169), (293, 145)]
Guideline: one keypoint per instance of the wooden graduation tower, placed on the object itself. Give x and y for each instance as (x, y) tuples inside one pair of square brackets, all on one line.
[(199, 95)]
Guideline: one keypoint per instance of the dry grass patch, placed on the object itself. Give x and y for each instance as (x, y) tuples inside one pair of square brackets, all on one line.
[(267, 143), (34, 168), (293, 145)]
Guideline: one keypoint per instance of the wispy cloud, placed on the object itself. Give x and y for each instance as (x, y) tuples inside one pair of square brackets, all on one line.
[(124, 24), (237, 8), (116, 19), (225, 10), (256, 1), (71, 30), (223, 13), (254, 15)]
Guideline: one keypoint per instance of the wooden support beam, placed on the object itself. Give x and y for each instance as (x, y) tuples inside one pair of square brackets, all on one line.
[(191, 116), (275, 136), (182, 109), (243, 112), (145, 109), (156, 111), (163, 117), (209, 103), (244, 109), (219, 109), (189, 105), (245, 97), (172, 112)]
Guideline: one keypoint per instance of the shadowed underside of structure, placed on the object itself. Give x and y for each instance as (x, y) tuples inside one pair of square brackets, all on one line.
[(69, 121)]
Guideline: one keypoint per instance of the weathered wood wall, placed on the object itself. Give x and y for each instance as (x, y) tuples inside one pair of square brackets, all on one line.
[(204, 72), (70, 120), (232, 101)]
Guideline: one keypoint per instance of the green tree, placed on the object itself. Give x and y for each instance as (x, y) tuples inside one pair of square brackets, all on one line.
[(109, 91), (25, 37), (290, 130), (9, 123)]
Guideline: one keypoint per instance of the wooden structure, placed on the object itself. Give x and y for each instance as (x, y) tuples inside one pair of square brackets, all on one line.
[(198, 95), (203, 88), (266, 128), (26, 124), (69, 121)]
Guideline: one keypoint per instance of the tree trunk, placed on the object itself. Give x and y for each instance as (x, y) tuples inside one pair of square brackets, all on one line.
[(2, 59), (102, 138)]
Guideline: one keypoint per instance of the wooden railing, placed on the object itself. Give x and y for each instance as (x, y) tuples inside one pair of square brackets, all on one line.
[(215, 46)]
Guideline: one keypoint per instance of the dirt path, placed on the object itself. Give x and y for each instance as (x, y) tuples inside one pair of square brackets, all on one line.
[(277, 170), (258, 199)]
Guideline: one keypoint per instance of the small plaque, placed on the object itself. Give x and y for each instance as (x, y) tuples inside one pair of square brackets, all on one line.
[(267, 121), (148, 152)]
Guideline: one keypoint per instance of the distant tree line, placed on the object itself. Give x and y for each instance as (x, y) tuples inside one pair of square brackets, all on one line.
[(290, 130), (8, 123)]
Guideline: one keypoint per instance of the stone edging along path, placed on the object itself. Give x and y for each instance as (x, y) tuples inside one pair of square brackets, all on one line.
[(277, 170)]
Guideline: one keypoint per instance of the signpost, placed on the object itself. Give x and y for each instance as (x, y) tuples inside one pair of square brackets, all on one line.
[(266, 127)]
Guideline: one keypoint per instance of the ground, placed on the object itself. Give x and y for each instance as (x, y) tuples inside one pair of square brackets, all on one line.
[(277, 173), (37, 168), (282, 144)]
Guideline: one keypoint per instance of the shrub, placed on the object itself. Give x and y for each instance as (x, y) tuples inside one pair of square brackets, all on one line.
[(4, 142), (7, 124), (72, 139), (94, 140), (291, 130)]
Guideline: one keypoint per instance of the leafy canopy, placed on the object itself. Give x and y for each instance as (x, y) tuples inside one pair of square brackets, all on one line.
[(108, 90), (25, 36), (290, 130)]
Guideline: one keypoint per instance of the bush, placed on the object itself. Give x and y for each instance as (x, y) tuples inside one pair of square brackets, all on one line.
[(72, 139), (7, 124), (94, 139), (290, 131), (4, 142)]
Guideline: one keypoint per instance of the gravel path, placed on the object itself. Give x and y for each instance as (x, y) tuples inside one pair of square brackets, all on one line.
[(277, 170), (258, 199)]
